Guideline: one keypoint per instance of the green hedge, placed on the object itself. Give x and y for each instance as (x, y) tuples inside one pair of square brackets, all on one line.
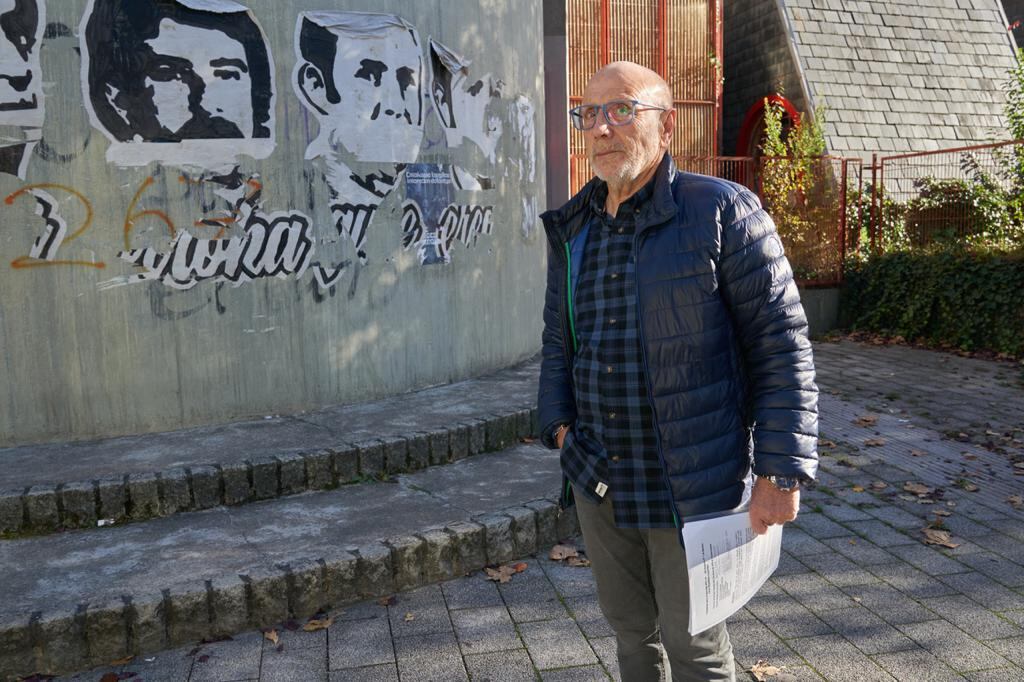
[(974, 301)]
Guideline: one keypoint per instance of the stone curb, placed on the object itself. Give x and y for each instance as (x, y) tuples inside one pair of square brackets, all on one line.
[(55, 642), (84, 504)]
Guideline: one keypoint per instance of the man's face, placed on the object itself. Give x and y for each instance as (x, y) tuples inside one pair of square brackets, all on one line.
[(16, 77), (380, 116), (620, 154), (200, 83)]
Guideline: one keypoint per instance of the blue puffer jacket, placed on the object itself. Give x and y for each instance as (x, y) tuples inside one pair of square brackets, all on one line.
[(724, 337)]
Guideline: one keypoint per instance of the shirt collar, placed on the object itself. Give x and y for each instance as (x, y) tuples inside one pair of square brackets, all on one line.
[(641, 197)]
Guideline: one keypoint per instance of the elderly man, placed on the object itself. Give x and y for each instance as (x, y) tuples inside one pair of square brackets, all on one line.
[(675, 363)]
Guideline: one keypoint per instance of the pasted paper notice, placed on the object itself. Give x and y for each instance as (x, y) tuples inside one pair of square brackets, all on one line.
[(727, 565)]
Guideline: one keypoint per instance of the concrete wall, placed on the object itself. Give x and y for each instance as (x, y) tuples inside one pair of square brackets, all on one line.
[(822, 309), (758, 62), (205, 266)]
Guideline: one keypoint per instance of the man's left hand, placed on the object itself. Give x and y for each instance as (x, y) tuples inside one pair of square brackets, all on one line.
[(769, 505)]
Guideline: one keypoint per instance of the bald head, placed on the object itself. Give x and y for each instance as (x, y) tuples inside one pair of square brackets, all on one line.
[(646, 84)]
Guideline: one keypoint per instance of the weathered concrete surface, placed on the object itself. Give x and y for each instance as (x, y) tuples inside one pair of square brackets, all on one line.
[(420, 411)]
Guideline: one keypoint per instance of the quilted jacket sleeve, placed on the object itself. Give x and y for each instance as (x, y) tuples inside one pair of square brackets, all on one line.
[(758, 286), (555, 403)]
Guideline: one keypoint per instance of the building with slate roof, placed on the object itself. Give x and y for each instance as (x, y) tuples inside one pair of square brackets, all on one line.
[(897, 76)]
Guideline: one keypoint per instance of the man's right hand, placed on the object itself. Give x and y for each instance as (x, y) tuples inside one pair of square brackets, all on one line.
[(560, 435)]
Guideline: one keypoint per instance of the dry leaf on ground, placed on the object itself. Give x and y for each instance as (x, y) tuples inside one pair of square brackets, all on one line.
[(879, 485), (935, 536), (388, 601), (501, 574), (918, 453), (525, 439), (123, 661), (410, 617), (1016, 501), (825, 443), (763, 670), (866, 420), (562, 552), (578, 561), (271, 635), (917, 488), (942, 512), (318, 624), (520, 567), (874, 442), (858, 488)]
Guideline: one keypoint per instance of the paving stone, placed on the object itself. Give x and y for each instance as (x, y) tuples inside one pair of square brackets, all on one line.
[(1001, 544), (753, 642), (531, 596), (396, 454), (813, 591), (307, 587), (174, 493), (427, 607), (375, 570), (996, 567), (440, 446), (319, 474), (228, 606), (291, 473), (144, 496), (407, 555), (929, 560), (524, 530), (820, 526), (78, 502), (112, 498), (41, 503), (569, 581), (971, 617), (166, 666), (547, 522), (290, 664), (605, 648), (61, 627), (498, 535), (860, 551), (501, 666), (459, 442), (359, 643), (917, 664), (268, 587), (1017, 616), (995, 675), (1012, 648), (866, 631), (477, 436), (439, 555), (147, 615), (784, 615), (586, 611), (237, 482), (345, 464), (839, 658), (556, 643), (235, 659), (471, 592), (341, 578), (843, 512), (430, 657), (362, 611), (587, 673), (839, 570), (953, 646), (799, 543), (485, 630), (880, 533), (469, 544), (188, 615), (205, 486), (374, 673), (911, 581), (419, 451), (1012, 527), (889, 604), (790, 565), (371, 458), (896, 517), (11, 512)]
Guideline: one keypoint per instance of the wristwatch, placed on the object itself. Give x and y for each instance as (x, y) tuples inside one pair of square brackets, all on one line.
[(784, 483)]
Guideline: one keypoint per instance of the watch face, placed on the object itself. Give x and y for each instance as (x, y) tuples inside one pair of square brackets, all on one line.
[(785, 482)]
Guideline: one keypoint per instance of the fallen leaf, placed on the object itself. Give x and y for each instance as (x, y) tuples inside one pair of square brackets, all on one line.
[(858, 599), (962, 437), (824, 443), (858, 488), (410, 617), (272, 636), (562, 552), (520, 567), (1016, 501), (525, 439), (109, 677), (969, 456), (917, 488), (318, 624), (942, 512), (501, 574), (874, 442), (866, 420), (388, 601), (578, 561), (908, 498), (122, 661), (762, 670), (935, 536), (918, 453), (879, 485)]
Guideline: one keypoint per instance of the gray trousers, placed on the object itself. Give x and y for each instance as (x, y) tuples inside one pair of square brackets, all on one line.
[(643, 591)]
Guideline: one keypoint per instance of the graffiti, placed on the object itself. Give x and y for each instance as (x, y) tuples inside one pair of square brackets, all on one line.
[(456, 223), (466, 223), (22, 25), (44, 249), (185, 82)]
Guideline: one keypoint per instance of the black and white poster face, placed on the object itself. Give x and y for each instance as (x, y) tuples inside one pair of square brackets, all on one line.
[(361, 74), (21, 31), (187, 82)]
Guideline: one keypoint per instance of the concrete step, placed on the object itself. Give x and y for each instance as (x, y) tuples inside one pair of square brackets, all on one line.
[(57, 486), (82, 598)]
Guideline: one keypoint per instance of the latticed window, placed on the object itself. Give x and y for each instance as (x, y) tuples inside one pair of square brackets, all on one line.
[(680, 39)]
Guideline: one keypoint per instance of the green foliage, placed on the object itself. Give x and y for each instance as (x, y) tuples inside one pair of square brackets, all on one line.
[(1014, 106), (966, 299)]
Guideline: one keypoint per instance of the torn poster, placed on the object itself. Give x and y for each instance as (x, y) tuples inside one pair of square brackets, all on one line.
[(466, 106), (22, 24), (183, 82), (428, 192), (727, 564)]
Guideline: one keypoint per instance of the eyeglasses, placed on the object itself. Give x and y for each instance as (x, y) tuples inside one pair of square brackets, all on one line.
[(618, 113)]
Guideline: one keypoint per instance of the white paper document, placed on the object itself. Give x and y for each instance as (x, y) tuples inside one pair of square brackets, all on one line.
[(727, 565)]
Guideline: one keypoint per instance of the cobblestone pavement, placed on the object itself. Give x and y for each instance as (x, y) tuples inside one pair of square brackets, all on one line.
[(858, 594)]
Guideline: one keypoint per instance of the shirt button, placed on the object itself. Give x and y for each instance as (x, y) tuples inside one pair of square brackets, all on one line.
[(609, 369), (611, 415), (621, 230), (615, 458), (615, 275), (612, 321)]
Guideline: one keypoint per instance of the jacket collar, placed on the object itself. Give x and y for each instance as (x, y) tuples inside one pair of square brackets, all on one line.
[(562, 223)]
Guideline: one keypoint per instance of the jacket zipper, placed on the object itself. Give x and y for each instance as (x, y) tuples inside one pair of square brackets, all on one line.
[(647, 375)]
